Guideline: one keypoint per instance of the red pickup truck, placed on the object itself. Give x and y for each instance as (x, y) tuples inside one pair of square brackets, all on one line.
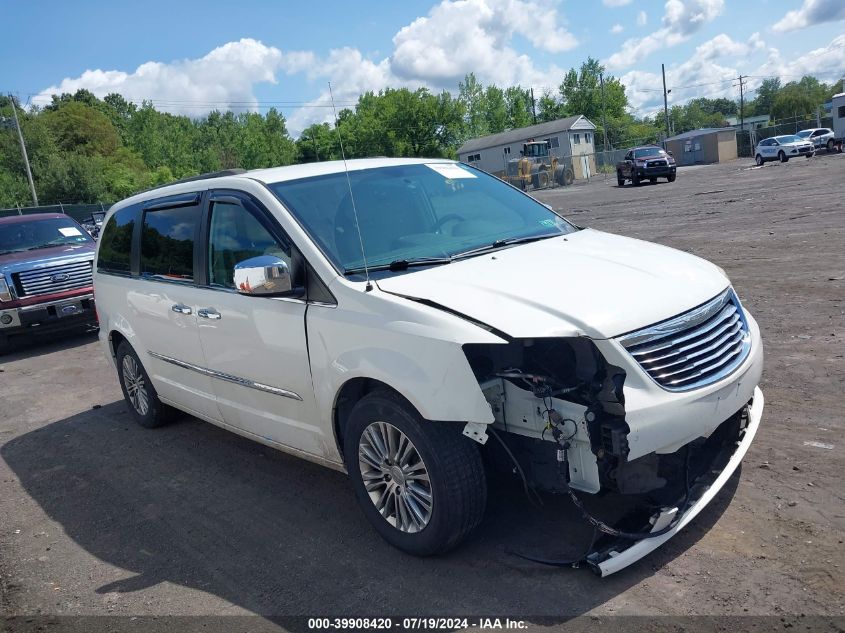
[(46, 262)]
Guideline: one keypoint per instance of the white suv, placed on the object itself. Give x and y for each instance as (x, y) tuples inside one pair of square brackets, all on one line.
[(387, 321)]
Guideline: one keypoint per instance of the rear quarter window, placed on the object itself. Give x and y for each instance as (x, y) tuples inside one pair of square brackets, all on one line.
[(116, 242)]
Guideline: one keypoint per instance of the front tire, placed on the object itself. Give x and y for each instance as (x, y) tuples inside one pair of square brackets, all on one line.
[(421, 484), (635, 179), (138, 390), (782, 157), (759, 160), (671, 178)]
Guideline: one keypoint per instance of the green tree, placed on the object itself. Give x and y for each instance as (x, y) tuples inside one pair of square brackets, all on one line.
[(80, 128)]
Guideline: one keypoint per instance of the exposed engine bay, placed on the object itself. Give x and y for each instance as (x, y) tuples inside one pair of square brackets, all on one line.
[(548, 392), (559, 412)]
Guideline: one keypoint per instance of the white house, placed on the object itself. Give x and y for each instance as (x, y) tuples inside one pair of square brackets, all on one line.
[(570, 137)]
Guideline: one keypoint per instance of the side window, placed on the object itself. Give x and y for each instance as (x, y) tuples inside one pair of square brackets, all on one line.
[(577, 138), (167, 242), (236, 235), (116, 242)]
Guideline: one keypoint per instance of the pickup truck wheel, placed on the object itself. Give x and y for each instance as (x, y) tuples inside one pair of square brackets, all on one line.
[(620, 179), (652, 180), (782, 157), (5, 346), (139, 392), (635, 179), (420, 484), (671, 178), (758, 159)]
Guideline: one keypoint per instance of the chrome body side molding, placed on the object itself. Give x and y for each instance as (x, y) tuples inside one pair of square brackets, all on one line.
[(244, 382)]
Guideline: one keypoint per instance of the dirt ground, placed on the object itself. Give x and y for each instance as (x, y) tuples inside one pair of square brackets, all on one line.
[(101, 517)]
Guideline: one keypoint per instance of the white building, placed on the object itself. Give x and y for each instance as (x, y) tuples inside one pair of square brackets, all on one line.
[(570, 137)]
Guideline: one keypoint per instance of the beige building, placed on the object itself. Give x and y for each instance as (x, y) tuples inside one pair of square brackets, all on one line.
[(707, 145), (570, 139)]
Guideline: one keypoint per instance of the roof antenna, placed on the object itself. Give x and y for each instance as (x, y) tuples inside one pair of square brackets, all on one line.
[(369, 285)]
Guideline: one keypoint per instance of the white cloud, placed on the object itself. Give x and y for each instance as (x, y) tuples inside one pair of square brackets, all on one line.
[(616, 3), (455, 37), (826, 63), (617, 28), (642, 18), (723, 46), (225, 76), (702, 76), (681, 19), (810, 13)]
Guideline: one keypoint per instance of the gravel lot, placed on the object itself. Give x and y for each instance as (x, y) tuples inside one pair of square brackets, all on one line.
[(99, 516)]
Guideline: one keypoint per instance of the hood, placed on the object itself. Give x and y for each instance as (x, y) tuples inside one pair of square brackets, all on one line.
[(587, 283), (25, 260)]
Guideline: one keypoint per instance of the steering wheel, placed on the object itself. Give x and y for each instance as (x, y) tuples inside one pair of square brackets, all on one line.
[(449, 217)]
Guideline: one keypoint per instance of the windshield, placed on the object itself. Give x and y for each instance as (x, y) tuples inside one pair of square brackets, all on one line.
[(789, 138), (40, 233), (412, 212), (648, 151)]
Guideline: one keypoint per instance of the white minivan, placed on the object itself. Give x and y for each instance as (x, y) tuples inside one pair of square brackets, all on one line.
[(390, 318)]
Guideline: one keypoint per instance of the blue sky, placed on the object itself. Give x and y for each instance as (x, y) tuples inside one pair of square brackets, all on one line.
[(190, 57)]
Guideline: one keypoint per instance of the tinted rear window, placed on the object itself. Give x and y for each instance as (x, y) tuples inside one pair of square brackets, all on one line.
[(116, 242), (167, 242)]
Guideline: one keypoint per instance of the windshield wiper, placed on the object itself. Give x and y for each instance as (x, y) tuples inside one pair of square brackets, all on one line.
[(401, 264), (502, 243)]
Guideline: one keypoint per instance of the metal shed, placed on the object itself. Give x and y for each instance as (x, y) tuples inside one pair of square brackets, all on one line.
[(707, 145)]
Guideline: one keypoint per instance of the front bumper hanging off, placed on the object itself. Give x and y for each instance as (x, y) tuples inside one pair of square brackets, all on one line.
[(618, 558)]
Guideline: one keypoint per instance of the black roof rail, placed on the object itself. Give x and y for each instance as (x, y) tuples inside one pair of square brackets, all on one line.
[(211, 174)]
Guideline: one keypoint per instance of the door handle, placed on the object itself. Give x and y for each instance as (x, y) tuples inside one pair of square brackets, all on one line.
[(181, 308), (209, 313)]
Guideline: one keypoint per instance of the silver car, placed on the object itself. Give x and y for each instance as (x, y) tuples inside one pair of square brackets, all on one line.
[(820, 137)]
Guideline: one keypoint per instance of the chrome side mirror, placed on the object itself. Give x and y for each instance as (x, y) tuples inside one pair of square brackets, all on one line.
[(263, 276)]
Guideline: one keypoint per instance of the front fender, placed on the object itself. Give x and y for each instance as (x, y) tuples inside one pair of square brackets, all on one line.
[(412, 348)]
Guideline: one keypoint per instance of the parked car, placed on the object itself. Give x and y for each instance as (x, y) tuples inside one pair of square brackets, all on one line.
[(649, 162), (389, 319), (820, 137), (45, 275), (782, 148)]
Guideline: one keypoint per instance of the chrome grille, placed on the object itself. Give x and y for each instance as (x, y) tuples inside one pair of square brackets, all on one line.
[(52, 279), (657, 163), (695, 348)]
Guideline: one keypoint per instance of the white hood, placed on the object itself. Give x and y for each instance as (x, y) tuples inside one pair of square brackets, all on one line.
[(587, 283)]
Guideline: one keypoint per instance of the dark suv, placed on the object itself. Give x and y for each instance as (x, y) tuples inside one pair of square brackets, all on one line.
[(648, 162), (45, 275)]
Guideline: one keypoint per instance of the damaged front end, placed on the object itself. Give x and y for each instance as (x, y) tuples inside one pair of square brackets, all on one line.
[(560, 415)]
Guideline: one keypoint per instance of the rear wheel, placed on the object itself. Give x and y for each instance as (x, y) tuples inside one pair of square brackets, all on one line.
[(420, 484), (652, 180), (758, 159), (138, 391), (830, 145), (782, 157), (620, 179), (635, 179)]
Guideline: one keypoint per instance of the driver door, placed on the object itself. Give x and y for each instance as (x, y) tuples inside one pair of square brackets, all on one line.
[(255, 346)]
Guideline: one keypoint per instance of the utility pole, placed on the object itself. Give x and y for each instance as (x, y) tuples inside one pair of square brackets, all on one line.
[(742, 110), (665, 103), (23, 152), (603, 118), (533, 106)]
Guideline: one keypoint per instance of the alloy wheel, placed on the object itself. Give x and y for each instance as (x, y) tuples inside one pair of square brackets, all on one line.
[(136, 386), (395, 477)]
